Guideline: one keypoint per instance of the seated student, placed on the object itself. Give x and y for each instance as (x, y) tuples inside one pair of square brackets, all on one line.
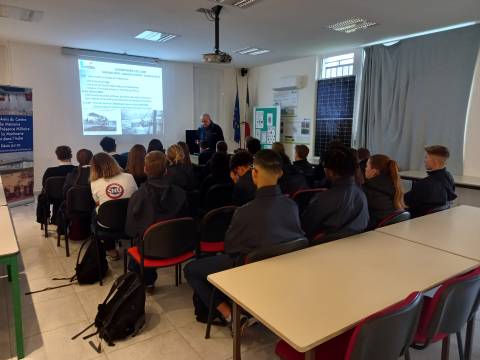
[(109, 146), (155, 201), (383, 188), (302, 164), (222, 147), (179, 170), (80, 176), (343, 209), (219, 173), (109, 182), (205, 153), (437, 189), (136, 163), (253, 145), (155, 144), (244, 189), (293, 179), (363, 156), (271, 218)]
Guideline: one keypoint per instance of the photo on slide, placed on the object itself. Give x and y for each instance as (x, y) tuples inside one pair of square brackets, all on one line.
[(142, 122), (102, 122)]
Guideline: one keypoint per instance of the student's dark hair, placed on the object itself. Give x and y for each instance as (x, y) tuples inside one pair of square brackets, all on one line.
[(343, 162), (84, 156), (253, 145), (220, 164), (438, 150), (108, 144), (269, 160), (136, 161), (204, 144), (363, 153), (155, 163), (241, 158), (302, 151), (63, 152), (186, 151), (155, 144), (222, 147), (278, 148), (389, 167)]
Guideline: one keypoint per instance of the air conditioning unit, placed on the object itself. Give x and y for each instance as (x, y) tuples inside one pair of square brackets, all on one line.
[(290, 83)]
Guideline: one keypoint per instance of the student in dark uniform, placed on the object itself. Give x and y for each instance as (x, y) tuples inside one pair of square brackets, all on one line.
[(437, 189), (155, 144), (178, 171), (244, 189), (270, 219), (363, 156), (210, 132), (343, 209), (109, 146), (253, 145), (80, 176), (301, 162), (155, 201), (219, 173), (293, 179), (206, 153), (383, 188)]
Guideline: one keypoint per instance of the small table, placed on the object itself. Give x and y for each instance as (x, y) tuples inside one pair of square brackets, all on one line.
[(9, 257), (311, 296), (467, 182), (3, 200)]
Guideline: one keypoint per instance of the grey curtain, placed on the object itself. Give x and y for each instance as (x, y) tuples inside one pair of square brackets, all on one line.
[(416, 93)]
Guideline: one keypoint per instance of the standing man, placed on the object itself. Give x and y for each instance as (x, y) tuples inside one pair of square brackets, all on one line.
[(209, 132)]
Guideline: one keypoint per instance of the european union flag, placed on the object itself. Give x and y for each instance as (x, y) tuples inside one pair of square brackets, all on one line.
[(236, 120)]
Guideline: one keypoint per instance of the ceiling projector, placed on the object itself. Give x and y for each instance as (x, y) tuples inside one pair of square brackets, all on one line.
[(218, 56)]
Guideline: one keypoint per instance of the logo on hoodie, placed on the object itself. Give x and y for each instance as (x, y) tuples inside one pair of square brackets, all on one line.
[(114, 191)]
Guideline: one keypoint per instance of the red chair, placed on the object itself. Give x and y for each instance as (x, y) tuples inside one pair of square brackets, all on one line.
[(453, 305), (166, 243), (385, 335), (394, 218), (303, 197), (213, 229)]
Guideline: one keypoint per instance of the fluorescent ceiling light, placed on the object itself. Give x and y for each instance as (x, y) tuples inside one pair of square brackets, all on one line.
[(260, 52), (155, 36), (351, 25), (18, 13), (251, 51), (242, 4)]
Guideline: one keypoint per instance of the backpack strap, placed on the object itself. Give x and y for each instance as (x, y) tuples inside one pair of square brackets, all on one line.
[(48, 288), (81, 332)]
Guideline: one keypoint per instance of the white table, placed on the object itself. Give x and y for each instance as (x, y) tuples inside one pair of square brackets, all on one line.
[(310, 296), (3, 199), (468, 182)]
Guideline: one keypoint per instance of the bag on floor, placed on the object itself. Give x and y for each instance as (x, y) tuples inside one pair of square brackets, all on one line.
[(122, 313)]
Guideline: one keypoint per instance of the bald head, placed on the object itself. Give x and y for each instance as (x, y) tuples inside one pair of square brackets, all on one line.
[(206, 120)]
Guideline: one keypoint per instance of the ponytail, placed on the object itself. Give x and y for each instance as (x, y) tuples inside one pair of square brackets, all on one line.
[(398, 200)]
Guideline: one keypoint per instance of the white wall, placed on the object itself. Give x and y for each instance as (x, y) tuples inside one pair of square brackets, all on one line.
[(56, 102), (471, 165)]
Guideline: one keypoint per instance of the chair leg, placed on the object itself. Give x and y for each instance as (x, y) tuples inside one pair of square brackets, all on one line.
[(407, 353), (210, 313), (99, 261), (67, 245), (58, 239), (176, 275), (469, 338), (180, 274), (446, 348), (125, 261), (461, 354)]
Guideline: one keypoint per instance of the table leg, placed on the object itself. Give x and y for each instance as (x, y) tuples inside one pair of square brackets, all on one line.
[(469, 338), (237, 354), (17, 306)]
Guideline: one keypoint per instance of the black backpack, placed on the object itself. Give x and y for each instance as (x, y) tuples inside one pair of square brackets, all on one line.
[(122, 313)]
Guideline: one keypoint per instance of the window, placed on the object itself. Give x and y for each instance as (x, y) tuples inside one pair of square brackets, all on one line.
[(338, 66)]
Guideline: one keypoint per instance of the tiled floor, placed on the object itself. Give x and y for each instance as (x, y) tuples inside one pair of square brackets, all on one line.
[(51, 318)]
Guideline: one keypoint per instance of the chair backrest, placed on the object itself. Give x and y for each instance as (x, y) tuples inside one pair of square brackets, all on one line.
[(80, 201), (215, 224), (54, 188), (303, 197), (276, 250), (219, 196), (170, 238), (438, 209), (113, 214), (194, 201), (394, 218), (453, 304), (388, 333)]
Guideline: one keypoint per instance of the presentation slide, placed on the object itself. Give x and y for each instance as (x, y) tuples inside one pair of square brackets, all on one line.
[(121, 99)]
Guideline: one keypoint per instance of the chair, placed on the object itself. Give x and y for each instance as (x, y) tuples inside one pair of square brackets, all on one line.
[(194, 202), (303, 197), (394, 218), (79, 205), (166, 243), (218, 196), (453, 305), (258, 255), (109, 222), (213, 228), (385, 335), (53, 190)]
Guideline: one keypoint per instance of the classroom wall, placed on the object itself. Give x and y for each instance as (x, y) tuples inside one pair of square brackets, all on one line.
[(56, 102)]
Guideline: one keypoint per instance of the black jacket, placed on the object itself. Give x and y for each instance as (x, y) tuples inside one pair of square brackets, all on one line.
[(292, 180), (121, 160), (342, 209), (211, 134), (437, 189), (271, 218), (75, 179), (155, 201), (61, 170), (380, 192), (183, 176), (305, 167), (244, 190), (205, 157), (211, 180)]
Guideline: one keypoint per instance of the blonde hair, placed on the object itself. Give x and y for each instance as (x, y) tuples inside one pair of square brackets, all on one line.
[(389, 167), (175, 154), (155, 163), (103, 166)]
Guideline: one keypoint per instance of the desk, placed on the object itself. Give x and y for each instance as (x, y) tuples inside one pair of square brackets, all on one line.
[(455, 231), (3, 200), (310, 296), (9, 257), (468, 182)]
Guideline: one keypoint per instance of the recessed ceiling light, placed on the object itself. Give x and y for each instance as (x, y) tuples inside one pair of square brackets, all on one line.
[(242, 4), (351, 25), (18, 13), (156, 36), (251, 51)]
